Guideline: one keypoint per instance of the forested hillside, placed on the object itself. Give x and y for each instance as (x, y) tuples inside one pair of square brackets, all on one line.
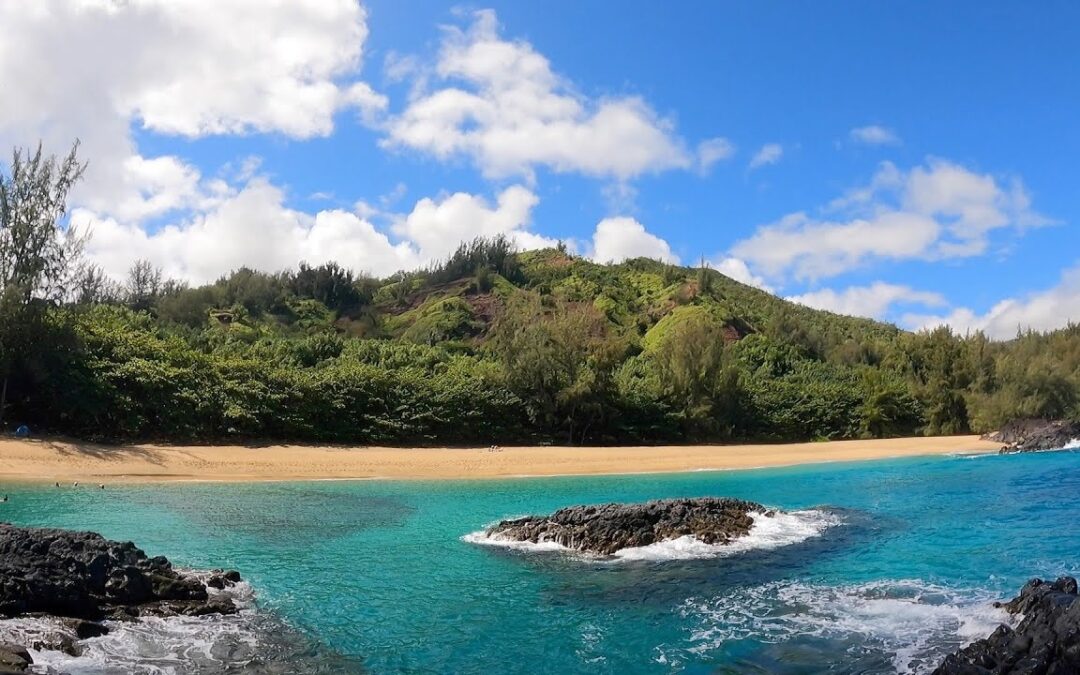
[(489, 346)]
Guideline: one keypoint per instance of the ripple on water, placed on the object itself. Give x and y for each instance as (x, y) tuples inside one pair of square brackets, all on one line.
[(906, 626)]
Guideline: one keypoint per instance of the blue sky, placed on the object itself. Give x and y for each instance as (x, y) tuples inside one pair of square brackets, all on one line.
[(907, 161)]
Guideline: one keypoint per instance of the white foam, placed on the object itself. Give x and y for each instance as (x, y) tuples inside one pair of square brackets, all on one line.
[(482, 538), (914, 622), (1074, 444), (767, 532), (156, 645), (151, 645)]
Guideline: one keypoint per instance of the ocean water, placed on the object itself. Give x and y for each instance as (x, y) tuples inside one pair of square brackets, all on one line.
[(884, 567)]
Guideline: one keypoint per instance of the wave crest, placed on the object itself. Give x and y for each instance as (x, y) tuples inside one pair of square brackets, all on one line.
[(780, 529), (915, 623)]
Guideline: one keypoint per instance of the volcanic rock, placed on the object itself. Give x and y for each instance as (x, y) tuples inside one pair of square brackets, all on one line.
[(607, 528), (1045, 642), (1032, 435), (85, 576), (14, 659)]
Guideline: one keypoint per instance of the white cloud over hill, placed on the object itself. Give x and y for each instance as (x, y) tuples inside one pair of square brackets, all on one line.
[(500, 103)]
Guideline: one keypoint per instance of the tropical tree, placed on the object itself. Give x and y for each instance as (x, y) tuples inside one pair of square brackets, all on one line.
[(39, 253)]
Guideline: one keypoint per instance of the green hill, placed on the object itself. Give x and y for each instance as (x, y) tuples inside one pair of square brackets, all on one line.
[(494, 346)]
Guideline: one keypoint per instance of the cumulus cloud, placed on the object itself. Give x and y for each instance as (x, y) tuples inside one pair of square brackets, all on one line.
[(620, 238), (770, 153), (437, 227), (93, 69), (501, 105), (1052, 308), (873, 301), (739, 271), (713, 150), (874, 135), (250, 227), (937, 211)]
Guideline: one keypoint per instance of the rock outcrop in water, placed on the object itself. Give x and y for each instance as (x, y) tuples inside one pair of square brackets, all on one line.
[(85, 576), (607, 528), (1032, 435), (14, 659), (1046, 641)]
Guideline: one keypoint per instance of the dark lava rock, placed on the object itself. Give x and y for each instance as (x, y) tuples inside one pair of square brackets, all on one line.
[(83, 575), (14, 659), (84, 629), (221, 579), (1032, 435), (1046, 642), (607, 528)]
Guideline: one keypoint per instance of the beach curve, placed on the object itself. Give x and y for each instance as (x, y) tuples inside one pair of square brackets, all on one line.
[(66, 460)]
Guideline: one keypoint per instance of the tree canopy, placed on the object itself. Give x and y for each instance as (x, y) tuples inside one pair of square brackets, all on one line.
[(491, 345)]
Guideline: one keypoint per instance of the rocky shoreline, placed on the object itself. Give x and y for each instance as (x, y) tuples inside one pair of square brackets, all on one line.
[(1034, 435), (83, 579), (1045, 642), (607, 528)]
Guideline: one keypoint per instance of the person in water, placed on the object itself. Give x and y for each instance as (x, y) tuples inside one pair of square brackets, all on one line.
[(3, 499)]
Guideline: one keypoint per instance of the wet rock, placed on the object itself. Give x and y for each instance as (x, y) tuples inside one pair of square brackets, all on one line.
[(1045, 642), (1032, 435), (607, 528), (84, 629), (221, 579), (83, 575), (14, 659), (59, 643)]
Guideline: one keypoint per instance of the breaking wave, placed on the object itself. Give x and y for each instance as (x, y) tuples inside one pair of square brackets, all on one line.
[(251, 641), (911, 623), (767, 532)]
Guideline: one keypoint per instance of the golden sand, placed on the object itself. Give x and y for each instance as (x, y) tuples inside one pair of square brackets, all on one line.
[(58, 460)]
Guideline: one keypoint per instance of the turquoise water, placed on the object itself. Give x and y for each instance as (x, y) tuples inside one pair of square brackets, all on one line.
[(377, 572)]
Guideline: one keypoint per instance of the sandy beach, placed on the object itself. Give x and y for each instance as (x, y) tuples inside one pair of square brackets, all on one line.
[(57, 460)]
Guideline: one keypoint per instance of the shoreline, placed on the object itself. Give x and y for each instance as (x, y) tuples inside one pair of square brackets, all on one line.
[(51, 460)]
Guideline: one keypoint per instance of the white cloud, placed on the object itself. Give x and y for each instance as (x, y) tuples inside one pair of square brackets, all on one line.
[(739, 271), (811, 249), (620, 238), (873, 301), (1053, 308), (713, 150), (250, 227), (93, 68), (437, 227), (932, 212), (770, 153), (874, 135), (502, 106)]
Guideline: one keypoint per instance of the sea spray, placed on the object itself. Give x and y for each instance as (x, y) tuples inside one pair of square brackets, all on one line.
[(912, 623), (769, 530)]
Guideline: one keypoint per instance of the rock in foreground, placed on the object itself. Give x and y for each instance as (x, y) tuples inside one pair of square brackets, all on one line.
[(84, 575), (608, 528), (1046, 642), (1033, 435)]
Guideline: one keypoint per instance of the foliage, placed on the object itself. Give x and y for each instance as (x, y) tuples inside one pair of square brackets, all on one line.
[(39, 259), (488, 346)]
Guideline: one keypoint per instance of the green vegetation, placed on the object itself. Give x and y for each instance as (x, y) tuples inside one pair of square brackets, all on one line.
[(490, 346)]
